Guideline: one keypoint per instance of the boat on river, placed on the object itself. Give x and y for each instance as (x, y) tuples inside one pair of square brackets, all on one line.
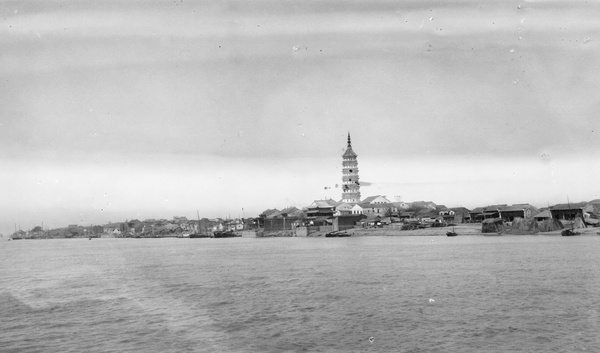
[(224, 234), (452, 233), (569, 233), (337, 234), (199, 235)]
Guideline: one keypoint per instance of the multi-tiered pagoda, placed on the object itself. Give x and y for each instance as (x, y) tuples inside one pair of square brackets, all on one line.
[(350, 185)]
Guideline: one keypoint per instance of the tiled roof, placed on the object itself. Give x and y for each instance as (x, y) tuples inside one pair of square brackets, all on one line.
[(428, 213), (322, 219), (569, 206), (289, 210), (516, 207), (268, 212), (343, 205), (372, 217), (494, 207), (324, 203), (376, 205), (460, 210), (370, 199)]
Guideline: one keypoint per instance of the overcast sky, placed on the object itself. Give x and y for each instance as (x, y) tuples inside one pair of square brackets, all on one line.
[(152, 109)]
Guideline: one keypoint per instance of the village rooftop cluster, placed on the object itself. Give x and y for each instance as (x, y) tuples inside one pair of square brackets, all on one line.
[(350, 212), (328, 215)]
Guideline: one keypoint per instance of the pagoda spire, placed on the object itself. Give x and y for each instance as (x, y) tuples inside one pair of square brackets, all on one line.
[(349, 141)]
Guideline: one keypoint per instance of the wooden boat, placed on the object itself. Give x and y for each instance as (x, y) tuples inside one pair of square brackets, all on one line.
[(225, 234), (452, 233), (569, 233), (337, 234), (198, 235)]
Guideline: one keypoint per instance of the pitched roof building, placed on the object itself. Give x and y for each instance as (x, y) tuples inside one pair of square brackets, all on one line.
[(376, 199)]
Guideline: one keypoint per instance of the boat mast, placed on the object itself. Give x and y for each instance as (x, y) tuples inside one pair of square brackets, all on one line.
[(198, 215), (573, 220)]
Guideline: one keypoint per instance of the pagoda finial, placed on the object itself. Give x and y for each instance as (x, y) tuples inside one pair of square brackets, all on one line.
[(349, 142)]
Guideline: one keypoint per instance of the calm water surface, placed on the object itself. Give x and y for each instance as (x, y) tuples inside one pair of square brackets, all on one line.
[(409, 294)]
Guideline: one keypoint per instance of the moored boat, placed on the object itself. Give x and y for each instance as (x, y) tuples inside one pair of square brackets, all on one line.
[(224, 234), (569, 233), (337, 234)]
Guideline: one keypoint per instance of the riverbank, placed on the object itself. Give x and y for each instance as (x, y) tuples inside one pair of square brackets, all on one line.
[(460, 229)]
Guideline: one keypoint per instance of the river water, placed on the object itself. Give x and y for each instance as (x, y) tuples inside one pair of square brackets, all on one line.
[(357, 294)]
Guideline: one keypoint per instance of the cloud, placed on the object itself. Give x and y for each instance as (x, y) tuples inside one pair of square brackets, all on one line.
[(61, 37)]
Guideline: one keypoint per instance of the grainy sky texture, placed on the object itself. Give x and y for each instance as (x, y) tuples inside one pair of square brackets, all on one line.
[(149, 109)]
